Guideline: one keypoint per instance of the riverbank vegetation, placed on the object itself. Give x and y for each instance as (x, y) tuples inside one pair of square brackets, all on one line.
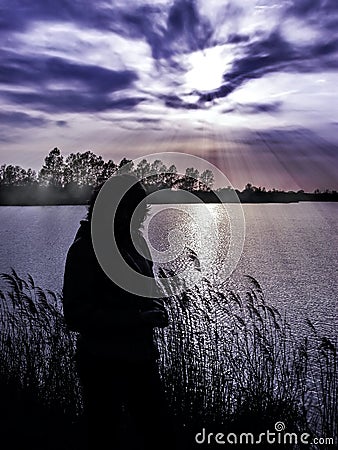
[(71, 180), (229, 362)]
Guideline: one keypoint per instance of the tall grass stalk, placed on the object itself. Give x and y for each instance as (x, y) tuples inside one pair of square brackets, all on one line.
[(233, 361), (36, 348), (227, 360)]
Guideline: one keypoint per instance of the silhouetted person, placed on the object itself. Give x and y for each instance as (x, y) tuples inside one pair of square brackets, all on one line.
[(116, 354)]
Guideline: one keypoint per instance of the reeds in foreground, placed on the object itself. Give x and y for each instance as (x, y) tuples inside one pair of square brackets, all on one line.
[(36, 348), (229, 362), (232, 362)]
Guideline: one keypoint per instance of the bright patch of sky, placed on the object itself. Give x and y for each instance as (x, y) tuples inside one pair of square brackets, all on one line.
[(87, 74)]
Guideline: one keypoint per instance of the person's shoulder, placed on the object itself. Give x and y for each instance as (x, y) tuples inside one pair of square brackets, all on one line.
[(82, 243)]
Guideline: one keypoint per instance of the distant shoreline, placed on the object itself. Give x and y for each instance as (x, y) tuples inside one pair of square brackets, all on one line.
[(39, 196), (173, 203)]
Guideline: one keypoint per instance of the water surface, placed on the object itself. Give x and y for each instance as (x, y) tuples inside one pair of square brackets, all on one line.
[(291, 249)]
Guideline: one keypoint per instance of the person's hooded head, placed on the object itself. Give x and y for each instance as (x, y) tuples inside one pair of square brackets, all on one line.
[(132, 202)]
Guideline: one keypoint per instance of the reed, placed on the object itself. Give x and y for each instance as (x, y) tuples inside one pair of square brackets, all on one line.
[(36, 348), (229, 361), (232, 362)]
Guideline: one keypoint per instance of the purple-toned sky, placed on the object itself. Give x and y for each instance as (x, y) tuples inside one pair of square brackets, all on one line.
[(250, 85)]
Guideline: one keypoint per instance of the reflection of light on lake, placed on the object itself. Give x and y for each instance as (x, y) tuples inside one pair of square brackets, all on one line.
[(188, 238)]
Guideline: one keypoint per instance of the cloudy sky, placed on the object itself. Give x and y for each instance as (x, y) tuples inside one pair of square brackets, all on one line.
[(250, 85)]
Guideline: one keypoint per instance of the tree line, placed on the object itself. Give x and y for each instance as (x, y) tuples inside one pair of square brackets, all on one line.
[(71, 180), (88, 169)]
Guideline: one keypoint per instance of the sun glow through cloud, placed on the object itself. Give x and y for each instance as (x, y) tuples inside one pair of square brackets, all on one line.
[(207, 68)]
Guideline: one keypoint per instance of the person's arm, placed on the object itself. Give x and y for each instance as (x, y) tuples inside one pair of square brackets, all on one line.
[(154, 312)]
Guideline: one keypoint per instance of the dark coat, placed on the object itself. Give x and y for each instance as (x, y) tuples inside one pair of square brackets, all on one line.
[(108, 318)]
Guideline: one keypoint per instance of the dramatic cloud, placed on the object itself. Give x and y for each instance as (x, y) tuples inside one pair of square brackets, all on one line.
[(255, 108), (49, 81), (175, 66), (69, 101), (37, 71), (21, 119)]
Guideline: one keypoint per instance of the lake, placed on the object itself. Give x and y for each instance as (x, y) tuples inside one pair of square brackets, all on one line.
[(291, 249)]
